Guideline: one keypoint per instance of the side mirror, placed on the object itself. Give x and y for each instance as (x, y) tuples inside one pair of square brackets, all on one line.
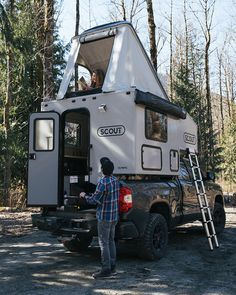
[(210, 176)]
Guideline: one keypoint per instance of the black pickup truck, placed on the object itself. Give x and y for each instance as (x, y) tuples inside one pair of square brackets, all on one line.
[(149, 208)]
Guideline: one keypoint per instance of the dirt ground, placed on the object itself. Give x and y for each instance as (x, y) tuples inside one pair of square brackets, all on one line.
[(33, 262)]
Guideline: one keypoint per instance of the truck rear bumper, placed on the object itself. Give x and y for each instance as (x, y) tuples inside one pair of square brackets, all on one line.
[(125, 229)]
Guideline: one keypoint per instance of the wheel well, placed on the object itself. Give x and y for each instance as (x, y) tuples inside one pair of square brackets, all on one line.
[(162, 209), (219, 199)]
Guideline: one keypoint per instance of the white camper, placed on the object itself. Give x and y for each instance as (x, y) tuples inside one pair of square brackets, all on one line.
[(129, 119)]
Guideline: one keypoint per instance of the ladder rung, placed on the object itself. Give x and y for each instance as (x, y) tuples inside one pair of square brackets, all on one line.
[(204, 207), (202, 194)]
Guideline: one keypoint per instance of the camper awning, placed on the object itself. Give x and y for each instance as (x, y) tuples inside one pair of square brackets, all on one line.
[(159, 104)]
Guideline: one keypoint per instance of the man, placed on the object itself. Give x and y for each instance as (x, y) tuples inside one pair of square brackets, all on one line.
[(106, 198)]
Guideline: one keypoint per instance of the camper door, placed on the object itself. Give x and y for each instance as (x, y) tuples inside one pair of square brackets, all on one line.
[(43, 170)]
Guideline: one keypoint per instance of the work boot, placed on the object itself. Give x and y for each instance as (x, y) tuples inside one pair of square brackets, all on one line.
[(103, 273)]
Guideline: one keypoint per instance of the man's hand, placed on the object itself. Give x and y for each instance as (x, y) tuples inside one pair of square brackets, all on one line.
[(82, 195)]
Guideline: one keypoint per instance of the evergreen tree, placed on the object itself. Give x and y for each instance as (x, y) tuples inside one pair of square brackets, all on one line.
[(228, 152), (27, 87)]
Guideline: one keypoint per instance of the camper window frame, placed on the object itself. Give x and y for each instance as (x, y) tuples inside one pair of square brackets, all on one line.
[(146, 125), (35, 133), (75, 93)]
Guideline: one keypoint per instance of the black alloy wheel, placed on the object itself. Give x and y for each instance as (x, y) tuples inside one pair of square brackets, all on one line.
[(154, 242)]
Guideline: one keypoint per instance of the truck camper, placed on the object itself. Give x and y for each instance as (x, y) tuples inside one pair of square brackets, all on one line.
[(127, 118)]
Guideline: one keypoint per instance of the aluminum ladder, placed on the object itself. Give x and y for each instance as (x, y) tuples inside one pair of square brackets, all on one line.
[(202, 199)]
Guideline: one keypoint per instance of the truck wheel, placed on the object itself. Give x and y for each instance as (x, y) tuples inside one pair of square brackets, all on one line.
[(77, 245), (154, 242), (219, 218)]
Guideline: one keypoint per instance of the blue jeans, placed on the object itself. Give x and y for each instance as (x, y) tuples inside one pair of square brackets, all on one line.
[(106, 235)]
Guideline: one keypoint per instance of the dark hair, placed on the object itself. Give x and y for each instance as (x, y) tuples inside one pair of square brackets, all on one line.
[(100, 77), (107, 166)]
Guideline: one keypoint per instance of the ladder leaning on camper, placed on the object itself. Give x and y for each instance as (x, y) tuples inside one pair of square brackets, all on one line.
[(202, 199)]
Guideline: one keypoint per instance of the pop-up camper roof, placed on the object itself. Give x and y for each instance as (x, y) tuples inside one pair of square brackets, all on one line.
[(116, 50)]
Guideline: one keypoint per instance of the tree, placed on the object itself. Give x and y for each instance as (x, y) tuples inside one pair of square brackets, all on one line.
[(219, 56), (152, 34), (187, 87), (48, 87), (22, 32), (8, 39), (206, 26), (126, 10), (170, 21), (77, 21), (44, 11), (228, 154)]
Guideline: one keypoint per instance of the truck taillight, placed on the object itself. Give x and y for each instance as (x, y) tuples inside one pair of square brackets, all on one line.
[(125, 199)]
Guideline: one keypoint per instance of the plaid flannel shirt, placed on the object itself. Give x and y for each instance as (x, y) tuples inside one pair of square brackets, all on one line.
[(106, 197)]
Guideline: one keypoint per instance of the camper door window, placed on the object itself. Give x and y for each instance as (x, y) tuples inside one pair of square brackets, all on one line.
[(44, 134), (155, 126)]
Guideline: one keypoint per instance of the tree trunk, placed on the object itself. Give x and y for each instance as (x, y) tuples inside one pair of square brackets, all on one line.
[(186, 35), (152, 34), (7, 126), (226, 82), (8, 101), (39, 21), (171, 50), (208, 14), (48, 89), (77, 21), (221, 94), (206, 25), (123, 10)]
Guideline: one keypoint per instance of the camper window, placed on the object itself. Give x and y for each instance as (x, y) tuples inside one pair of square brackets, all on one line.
[(93, 57), (43, 135), (155, 126)]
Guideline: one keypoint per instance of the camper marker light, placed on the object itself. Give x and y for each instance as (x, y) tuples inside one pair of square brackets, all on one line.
[(102, 108)]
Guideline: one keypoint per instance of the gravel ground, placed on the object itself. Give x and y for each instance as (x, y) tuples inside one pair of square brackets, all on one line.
[(33, 262)]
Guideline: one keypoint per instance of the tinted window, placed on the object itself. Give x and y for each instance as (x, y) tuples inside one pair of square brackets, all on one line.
[(156, 126), (184, 175)]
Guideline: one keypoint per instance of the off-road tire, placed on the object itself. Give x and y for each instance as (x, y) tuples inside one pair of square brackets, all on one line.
[(153, 244), (219, 218), (77, 245)]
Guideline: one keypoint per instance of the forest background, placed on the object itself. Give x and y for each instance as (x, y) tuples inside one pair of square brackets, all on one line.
[(191, 44)]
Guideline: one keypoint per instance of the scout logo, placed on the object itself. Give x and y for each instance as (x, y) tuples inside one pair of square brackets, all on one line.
[(116, 130), (189, 138)]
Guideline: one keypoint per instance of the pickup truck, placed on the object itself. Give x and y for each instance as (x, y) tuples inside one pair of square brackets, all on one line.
[(149, 208)]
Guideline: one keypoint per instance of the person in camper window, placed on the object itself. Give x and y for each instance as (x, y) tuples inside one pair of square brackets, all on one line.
[(106, 197), (97, 79)]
